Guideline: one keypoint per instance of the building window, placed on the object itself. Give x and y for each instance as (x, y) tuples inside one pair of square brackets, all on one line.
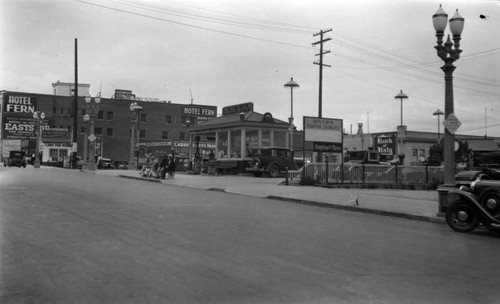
[(109, 132), (98, 131), (144, 118), (110, 115), (142, 133), (164, 134), (61, 112), (82, 130), (182, 136), (69, 111), (168, 119), (100, 115), (54, 110), (53, 154)]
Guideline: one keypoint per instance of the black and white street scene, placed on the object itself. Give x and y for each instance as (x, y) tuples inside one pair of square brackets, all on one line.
[(157, 151)]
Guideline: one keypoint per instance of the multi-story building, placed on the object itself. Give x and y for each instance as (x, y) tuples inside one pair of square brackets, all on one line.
[(161, 126)]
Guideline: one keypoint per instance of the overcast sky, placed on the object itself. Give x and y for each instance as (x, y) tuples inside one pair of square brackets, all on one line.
[(226, 52)]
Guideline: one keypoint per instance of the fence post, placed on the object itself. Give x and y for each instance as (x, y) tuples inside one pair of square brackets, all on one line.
[(363, 173), (397, 173), (286, 176), (326, 179), (426, 174)]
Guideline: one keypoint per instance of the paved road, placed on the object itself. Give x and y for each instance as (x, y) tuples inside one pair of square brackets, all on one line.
[(72, 237)]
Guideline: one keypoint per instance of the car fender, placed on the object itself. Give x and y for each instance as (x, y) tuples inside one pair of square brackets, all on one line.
[(473, 200)]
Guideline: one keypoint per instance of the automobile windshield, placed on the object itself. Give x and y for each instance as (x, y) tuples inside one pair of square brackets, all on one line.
[(16, 154)]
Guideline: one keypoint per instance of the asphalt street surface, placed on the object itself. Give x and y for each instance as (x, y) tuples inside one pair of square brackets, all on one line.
[(72, 237)]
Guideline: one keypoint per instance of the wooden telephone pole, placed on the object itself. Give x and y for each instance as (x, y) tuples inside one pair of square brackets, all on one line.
[(321, 64)]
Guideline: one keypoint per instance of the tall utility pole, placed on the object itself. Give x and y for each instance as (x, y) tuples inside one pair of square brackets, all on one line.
[(75, 111), (321, 64)]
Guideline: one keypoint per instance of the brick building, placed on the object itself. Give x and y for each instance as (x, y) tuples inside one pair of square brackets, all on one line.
[(162, 125)]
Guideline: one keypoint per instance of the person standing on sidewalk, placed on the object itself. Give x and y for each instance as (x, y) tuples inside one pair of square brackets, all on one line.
[(171, 166), (164, 166)]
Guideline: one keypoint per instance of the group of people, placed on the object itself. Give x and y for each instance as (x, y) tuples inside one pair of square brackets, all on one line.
[(153, 168)]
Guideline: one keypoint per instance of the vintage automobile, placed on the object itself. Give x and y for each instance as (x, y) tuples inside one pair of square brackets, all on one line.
[(123, 165), (17, 158), (478, 203), (104, 163), (270, 160)]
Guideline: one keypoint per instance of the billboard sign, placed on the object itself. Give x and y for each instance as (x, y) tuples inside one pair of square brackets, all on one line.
[(182, 147), (56, 135), (200, 112), (124, 94), (20, 104), (243, 107), (386, 145), (18, 128), (325, 134)]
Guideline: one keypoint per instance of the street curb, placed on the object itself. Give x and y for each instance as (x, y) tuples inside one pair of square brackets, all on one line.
[(360, 209), (141, 178), (317, 204)]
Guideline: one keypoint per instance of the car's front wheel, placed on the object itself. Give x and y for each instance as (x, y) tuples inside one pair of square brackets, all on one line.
[(274, 171), (491, 202), (462, 217)]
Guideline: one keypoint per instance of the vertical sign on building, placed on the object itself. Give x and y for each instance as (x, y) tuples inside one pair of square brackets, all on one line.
[(386, 145)]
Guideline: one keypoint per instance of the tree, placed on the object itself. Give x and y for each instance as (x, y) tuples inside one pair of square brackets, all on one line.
[(436, 156)]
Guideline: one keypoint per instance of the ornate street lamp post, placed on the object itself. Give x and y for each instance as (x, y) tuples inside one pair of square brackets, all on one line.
[(86, 120), (135, 109), (438, 113), (190, 148), (91, 110), (39, 117), (449, 52), (291, 84), (401, 96)]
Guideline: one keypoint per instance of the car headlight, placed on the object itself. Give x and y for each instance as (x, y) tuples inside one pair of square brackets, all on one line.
[(473, 184), (465, 188)]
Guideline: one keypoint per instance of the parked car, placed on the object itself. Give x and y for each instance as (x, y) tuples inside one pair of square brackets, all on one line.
[(121, 165), (270, 160), (477, 204), (104, 163), (17, 158)]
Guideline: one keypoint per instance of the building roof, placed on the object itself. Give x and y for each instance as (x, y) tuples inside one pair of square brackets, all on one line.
[(482, 145), (60, 83), (250, 118)]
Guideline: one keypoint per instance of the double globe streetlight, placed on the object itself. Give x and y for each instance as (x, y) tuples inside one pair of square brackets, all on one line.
[(449, 52), (91, 110), (38, 117)]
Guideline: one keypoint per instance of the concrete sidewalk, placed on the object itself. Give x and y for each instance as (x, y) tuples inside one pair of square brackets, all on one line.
[(412, 204)]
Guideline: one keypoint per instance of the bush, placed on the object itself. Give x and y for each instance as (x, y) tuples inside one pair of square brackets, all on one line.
[(307, 181)]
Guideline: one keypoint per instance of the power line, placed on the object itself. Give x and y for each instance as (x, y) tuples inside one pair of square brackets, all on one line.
[(194, 26)]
